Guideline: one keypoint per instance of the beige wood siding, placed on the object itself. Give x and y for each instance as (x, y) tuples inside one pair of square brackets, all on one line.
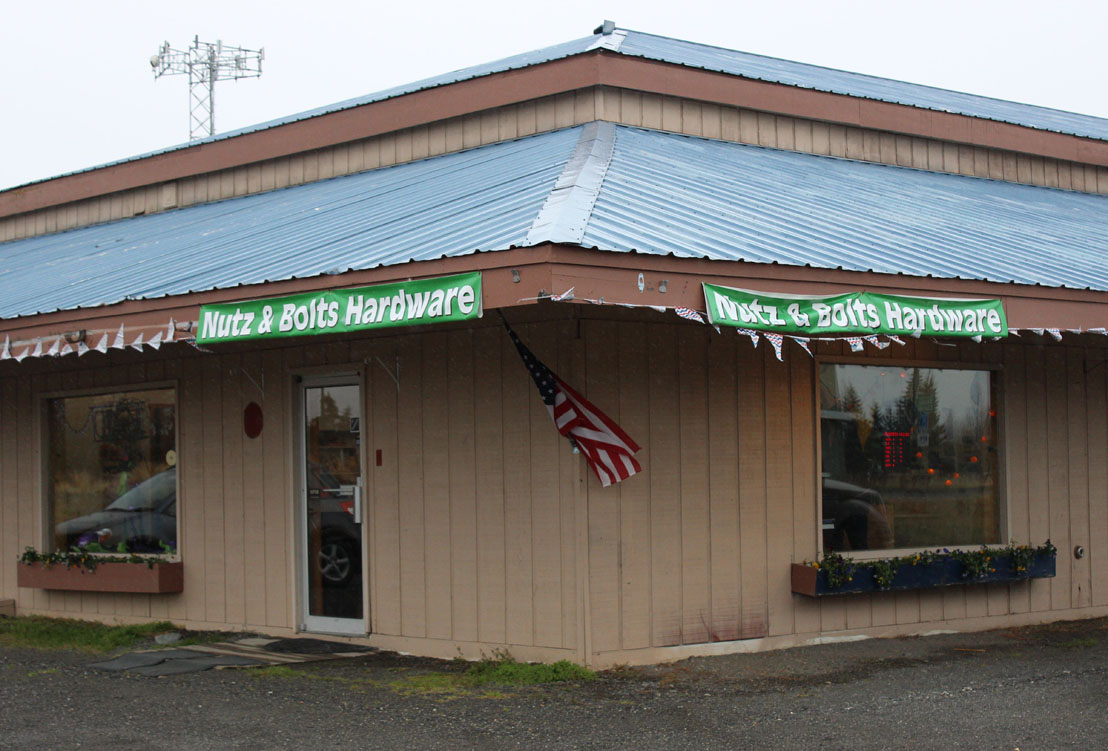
[(484, 530), (636, 108), (722, 421)]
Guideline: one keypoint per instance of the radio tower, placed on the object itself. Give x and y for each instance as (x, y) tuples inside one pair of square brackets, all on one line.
[(205, 63)]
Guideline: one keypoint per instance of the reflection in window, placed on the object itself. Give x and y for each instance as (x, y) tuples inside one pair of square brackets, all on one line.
[(908, 457), (112, 472)]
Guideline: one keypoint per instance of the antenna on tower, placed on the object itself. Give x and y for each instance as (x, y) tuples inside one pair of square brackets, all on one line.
[(205, 63)]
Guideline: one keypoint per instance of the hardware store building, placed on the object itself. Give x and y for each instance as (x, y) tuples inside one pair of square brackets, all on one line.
[(402, 482)]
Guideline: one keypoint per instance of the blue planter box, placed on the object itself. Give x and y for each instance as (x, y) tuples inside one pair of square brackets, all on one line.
[(810, 581)]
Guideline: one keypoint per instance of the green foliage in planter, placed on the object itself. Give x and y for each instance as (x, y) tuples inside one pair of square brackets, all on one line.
[(86, 558), (839, 570), (976, 563)]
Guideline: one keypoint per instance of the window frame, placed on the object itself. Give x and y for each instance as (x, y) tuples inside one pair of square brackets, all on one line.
[(999, 399), (42, 440)]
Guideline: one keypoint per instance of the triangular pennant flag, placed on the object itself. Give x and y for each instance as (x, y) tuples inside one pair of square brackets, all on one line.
[(567, 295), (1037, 331), (1074, 331), (67, 349), (688, 314), (717, 328), (976, 338), (119, 343), (1101, 331), (103, 345), (876, 342), (170, 330), (803, 342), (82, 349), (917, 333), (1055, 333), (155, 341), (1014, 332), (752, 334), (37, 351), (776, 340), (6, 352), (855, 343), (896, 339), (53, 351), (22, 355), (137, 343)]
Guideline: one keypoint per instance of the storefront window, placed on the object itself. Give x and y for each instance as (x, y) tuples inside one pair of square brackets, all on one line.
[(112, 471), (909, 457)]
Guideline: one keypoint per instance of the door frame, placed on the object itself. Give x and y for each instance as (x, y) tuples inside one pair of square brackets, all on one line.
[(315, 623)]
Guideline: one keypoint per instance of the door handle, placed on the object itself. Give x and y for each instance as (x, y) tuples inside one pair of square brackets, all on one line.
[(358, 502)]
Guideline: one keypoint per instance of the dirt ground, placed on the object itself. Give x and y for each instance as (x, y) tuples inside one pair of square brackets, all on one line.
[(1031, 688)]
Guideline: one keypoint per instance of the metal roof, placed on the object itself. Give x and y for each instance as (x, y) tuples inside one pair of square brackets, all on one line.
[(806, 76), (444, 206), (694, 197), (732, 62), (600, 185)]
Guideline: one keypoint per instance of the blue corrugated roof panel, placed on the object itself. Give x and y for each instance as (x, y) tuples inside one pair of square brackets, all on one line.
[(483, 199), (611, 187), (694, 197), (733, 62)]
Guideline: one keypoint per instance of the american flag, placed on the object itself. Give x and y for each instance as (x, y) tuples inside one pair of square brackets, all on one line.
[(607, 449)]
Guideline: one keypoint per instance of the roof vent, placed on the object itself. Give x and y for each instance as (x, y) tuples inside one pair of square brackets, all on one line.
[(605, 28)]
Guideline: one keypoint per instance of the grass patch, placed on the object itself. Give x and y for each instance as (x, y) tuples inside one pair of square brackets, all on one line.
[(499, 670), (1078, 643), (278, 671), (37, 632), (505, 671)]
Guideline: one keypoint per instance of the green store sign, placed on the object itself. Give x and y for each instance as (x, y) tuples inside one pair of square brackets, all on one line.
[(854, 313), (448, 298)]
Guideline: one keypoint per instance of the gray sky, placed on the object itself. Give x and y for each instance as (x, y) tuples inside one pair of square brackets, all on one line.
[(77, 88)]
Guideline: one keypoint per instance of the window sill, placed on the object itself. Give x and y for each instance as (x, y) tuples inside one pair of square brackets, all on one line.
[(139, 578), (812, 582)]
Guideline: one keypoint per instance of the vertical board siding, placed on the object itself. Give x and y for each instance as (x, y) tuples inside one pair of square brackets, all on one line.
[(473, 516), (692, 395), (489, 463), (384, 517)]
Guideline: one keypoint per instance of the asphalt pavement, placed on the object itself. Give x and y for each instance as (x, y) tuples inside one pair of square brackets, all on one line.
[(1028, 689)]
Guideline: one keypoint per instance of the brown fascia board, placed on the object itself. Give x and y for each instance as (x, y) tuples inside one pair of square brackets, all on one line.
[(721, 88), (343, 126), (595, 275), (534, 82)]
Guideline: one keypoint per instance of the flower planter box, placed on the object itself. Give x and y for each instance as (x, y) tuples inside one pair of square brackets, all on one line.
[(161, 577), (810, 581)]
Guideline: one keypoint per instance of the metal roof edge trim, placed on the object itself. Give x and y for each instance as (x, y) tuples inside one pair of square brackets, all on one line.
[(565, 214)]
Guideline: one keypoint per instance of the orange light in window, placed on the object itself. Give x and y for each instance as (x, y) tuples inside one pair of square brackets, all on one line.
[(973, 459), (919, 454), (992, 413), (984, 439), (930, 470), (950, 482), (956, 475)]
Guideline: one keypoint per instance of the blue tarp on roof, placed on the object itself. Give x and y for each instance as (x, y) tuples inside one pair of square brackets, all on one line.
[(733, 62), (645, 191)]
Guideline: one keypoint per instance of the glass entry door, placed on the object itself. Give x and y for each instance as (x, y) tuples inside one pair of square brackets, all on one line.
[(331, 507)]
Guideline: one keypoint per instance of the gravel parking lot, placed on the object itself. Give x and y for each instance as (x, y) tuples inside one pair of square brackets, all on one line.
[(1032, 688)]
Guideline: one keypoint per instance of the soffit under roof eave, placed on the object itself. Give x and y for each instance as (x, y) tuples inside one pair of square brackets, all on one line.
[(594, 274)]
